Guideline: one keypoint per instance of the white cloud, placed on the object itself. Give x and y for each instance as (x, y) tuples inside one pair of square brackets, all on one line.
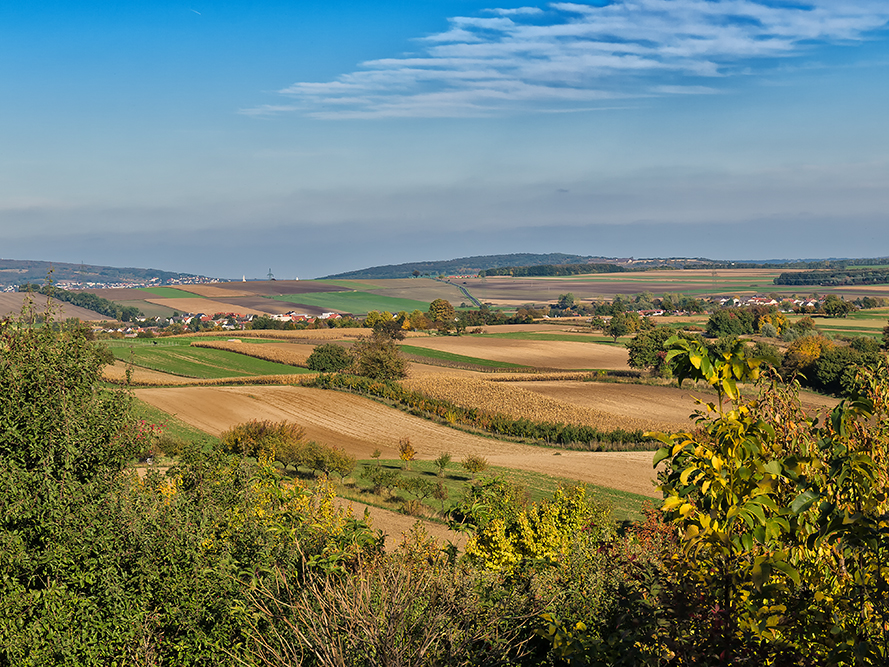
[(567, 54)]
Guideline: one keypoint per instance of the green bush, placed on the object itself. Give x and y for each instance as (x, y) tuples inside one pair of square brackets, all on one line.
[(329, 358)]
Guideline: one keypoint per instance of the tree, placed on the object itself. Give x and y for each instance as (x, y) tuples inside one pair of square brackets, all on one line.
[(379, 358), (418, 320), (329, 358), (618, 326), (729, 322), (566, 301), (782, 519), (441, 310), (834, 306), (647, 349)]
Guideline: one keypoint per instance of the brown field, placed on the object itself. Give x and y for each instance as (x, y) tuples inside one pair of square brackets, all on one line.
[(527, 400), (11, 306), (537, 353), (271, 306), (360, 425), (199, 305)]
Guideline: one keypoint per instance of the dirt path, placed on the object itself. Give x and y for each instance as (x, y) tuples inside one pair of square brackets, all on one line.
[(395, 525), (360, 425)]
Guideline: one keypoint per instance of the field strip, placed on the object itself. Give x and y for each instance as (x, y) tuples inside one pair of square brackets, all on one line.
[(206, 306), (360, 425), (565, 355)]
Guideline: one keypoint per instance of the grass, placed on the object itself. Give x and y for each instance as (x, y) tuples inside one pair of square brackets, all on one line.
[(355, 302), (172, 426), (197, 362), (457, 358), (625, 506)]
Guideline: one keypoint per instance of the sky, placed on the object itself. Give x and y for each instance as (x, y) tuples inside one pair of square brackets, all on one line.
[(233, 138)]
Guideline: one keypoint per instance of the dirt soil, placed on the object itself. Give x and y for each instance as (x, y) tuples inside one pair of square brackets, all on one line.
[(360, 425), (565, 355)]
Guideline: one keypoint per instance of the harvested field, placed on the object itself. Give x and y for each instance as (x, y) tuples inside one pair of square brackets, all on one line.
[(360, 425), (272, 306), (525, 401), (11, 306), (649, 407), (208, 306), (281, 353), (541, 354)]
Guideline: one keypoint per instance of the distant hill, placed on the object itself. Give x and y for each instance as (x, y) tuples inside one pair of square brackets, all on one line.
[(462, 265), (14, 272)]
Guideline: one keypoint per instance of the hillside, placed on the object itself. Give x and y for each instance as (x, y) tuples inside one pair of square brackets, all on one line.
[(14, 272), (461, 265)]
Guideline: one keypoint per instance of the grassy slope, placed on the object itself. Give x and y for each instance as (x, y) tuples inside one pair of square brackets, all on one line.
[(626, 506)]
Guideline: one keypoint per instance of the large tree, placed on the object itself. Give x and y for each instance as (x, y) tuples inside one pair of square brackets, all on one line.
[(441, 310)]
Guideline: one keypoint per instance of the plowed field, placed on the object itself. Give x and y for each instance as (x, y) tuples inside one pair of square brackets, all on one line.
[(543, 354), (360, 425)]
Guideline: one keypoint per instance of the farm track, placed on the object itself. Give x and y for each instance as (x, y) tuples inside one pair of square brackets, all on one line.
[(360, 425)]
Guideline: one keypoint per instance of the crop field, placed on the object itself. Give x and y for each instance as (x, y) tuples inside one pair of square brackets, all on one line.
[(438, 355), (565, 355), (356, 302), (742, 282), (419, 289), (171, 292), (525, 401), (196, 362), (869, 322), (202, 305), (290, 354), (360, 425)]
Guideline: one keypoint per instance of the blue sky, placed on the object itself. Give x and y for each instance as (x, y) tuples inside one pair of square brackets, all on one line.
[(230, 138)]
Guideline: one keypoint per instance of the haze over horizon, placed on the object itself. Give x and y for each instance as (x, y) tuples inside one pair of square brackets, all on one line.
[(311, 138)]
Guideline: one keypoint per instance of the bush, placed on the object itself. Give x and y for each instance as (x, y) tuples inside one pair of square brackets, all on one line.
[(329, 358), (379, 358)]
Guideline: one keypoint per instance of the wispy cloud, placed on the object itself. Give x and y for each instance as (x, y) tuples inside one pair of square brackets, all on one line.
[(570, 55)]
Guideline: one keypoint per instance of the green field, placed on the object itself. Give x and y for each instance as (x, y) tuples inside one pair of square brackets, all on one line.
[(359, 303), (457, 358), (198, 362)]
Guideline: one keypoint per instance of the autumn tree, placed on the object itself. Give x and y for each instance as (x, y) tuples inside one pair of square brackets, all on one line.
[(441, 310)]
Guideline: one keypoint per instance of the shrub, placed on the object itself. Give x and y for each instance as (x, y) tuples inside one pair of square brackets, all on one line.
[(329, 358), (474, 464)]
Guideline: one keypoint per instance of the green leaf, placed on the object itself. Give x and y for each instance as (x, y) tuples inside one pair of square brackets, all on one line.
[(804, 501), (660, 455)]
